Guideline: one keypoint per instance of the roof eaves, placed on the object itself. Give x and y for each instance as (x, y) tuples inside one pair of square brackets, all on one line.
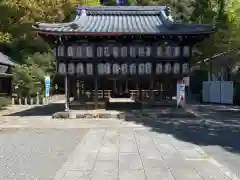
[(121, 8), (71, 25), (59, 33), (5, 60)]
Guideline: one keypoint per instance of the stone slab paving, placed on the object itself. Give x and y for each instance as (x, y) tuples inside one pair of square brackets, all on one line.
[(138, 154)]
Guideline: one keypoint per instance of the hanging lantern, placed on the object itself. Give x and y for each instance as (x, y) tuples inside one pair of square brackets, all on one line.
[(80, 68), (159, 68), (62, 68), (71, 69), (133, 69)]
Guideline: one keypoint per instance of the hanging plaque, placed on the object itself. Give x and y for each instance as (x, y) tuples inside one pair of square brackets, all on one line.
[(89, 68), (80, 68), (71, 67), (133, 69), (62, 68), (148, 68)]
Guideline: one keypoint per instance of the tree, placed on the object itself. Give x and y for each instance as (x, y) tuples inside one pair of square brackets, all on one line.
[(16, 33)]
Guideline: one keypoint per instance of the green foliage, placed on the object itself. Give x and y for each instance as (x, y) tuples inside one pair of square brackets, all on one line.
[(28, 78), (16, 33)]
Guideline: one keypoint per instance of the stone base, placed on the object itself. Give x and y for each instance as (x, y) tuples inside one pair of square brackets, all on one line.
[(89, 114)]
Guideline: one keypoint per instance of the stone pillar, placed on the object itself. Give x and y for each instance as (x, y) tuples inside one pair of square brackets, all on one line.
[(66, 94), (96, 92)]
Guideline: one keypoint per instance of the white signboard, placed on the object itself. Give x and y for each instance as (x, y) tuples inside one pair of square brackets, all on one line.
[(180, 94)]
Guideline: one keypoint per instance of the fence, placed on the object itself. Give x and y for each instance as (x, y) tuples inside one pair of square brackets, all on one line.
[(38, 100)]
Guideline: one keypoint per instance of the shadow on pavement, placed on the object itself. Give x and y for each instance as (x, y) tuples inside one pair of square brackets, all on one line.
[(217, 127), (46, 110)]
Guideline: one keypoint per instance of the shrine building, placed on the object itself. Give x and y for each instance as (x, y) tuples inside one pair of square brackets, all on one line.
[(138, 51)]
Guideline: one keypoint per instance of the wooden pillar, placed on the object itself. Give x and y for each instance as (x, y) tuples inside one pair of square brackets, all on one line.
[(126, 86), (66, 94), (96, 92), (151, 89), (65, 52), (137, 94), (114, 85), (181, 62)]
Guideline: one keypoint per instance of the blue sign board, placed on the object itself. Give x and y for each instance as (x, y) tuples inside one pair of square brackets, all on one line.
[(47, 85)]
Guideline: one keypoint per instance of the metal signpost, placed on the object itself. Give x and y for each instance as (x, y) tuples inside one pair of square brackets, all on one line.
[(180, 94), (47, 87)]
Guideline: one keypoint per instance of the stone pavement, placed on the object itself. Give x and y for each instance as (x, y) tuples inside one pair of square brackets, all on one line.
[(144, 147), (138, 154)]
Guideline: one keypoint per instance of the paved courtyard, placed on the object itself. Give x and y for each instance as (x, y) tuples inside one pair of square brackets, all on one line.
[(34, 146)]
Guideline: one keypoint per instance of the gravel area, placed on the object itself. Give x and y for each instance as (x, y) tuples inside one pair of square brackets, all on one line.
[(32, 154)]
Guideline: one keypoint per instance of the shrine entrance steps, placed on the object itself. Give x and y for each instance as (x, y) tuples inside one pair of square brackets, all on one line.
[(121, 103)]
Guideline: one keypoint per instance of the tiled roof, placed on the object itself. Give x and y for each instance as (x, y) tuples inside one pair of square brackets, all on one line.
[(5, 60), (124, 20)]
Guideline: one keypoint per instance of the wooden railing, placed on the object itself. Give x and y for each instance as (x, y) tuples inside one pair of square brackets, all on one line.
[(136, 94)]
